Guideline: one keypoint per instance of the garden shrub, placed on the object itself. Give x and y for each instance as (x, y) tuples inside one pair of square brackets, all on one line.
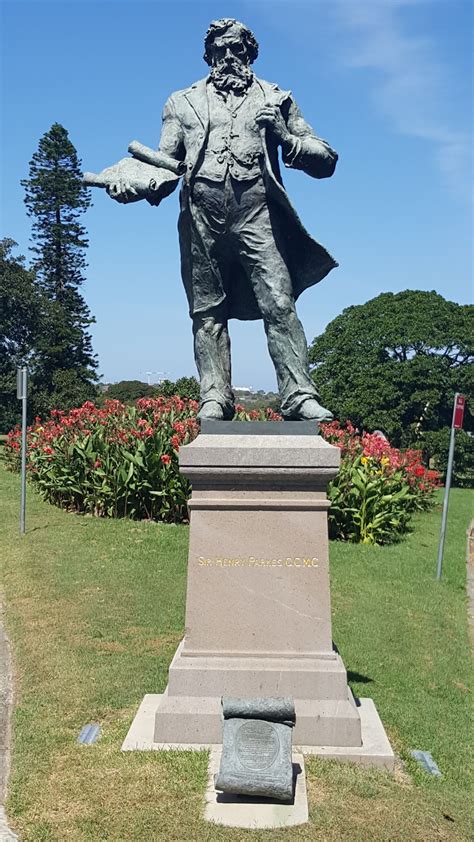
[(435, 444), (120, 460), (377, 488)]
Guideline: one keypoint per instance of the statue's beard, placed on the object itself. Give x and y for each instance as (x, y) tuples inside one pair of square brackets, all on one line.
[(232, 76)]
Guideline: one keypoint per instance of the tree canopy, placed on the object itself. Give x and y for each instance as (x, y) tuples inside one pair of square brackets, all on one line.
[(395, 362), (185, 387), (128, 391)]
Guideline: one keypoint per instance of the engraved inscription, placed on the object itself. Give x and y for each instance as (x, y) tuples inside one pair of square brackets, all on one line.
[(257, 562), (257, 745)]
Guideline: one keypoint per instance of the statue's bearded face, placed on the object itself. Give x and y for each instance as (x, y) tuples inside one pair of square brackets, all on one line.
[(230, 62)]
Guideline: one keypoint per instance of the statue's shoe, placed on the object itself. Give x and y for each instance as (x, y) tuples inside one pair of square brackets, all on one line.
[(211, 410), (311, 410)]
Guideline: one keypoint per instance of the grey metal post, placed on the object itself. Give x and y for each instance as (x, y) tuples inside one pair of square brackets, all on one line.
[(447, 487), (22, 380)]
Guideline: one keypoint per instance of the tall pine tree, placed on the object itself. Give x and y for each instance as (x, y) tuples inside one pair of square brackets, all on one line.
[(64, 373)]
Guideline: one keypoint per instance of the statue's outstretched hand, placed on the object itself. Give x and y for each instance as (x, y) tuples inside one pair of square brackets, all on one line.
[(123, 192), (271, 117)]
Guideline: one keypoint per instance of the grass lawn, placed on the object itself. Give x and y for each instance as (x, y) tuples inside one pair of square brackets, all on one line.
[(95, 610)]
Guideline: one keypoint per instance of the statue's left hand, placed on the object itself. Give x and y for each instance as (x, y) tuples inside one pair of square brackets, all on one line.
[(271, 117)]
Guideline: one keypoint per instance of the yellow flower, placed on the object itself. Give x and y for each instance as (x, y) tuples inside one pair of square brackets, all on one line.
[(364, 460)]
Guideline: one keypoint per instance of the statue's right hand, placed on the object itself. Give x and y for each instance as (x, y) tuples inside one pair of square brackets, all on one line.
[(122, 191)]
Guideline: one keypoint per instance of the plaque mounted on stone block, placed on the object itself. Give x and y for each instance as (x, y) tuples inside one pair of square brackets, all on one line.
[(257, 748)]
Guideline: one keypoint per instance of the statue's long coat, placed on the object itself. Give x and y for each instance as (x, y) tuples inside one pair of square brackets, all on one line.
[(184, 136)]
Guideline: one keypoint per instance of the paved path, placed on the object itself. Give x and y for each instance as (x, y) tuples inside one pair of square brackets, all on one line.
[(6, 700)]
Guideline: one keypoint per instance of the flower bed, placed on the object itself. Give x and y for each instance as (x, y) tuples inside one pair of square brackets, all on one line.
[(122, 461), (114, 461)]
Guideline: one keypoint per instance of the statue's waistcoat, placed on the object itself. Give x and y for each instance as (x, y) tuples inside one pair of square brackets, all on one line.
[(234, 143)]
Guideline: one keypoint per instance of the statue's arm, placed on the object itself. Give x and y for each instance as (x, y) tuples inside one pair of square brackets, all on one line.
[(172, 138), (304, 150)]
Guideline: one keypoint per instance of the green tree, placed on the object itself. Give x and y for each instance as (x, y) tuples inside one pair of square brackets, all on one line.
[(185, 387), (129, 391), (395, 362), (21, 314), (435, 445), (55, 198)]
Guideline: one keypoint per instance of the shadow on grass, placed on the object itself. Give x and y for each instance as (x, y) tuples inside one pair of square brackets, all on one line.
[(38, 528), (357, 677)]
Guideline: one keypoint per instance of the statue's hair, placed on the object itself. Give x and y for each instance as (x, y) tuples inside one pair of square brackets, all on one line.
[(219, 27)]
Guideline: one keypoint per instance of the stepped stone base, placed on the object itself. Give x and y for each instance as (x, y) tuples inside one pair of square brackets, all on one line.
[(375, 749), (322, 677), (190, 710), (190, 719)]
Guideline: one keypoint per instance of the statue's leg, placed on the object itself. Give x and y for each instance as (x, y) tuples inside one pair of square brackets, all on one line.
[(271, 283), (212, 355), (285, 336), (286, 342), (211, 337)]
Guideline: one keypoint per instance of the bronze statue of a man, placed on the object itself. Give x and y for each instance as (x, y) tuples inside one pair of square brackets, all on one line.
[(244, 252)]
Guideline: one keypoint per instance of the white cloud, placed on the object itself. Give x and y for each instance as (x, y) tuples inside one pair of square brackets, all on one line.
[(412, 84)]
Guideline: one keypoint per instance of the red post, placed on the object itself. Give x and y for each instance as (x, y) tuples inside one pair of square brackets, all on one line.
[(458, 412)]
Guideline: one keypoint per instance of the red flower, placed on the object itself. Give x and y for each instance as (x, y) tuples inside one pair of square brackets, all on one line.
[(97, 463), (166, 459)]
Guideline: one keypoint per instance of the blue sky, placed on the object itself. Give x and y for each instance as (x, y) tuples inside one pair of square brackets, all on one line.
[(387, 82)]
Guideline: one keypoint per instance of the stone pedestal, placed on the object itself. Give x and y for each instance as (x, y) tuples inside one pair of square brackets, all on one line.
[(258, 611)]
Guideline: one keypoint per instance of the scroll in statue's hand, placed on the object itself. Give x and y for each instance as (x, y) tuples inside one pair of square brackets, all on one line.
[(130, 180), (270, 117)]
